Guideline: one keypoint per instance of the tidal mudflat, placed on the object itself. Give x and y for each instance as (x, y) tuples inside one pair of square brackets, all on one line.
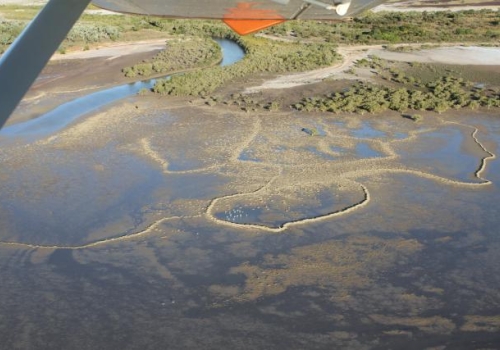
[(170, 223), (153, 224)]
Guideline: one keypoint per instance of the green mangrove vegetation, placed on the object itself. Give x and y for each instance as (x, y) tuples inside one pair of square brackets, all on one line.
[(262, 55), (402, 92), (93, 33), (314, 46), (179, 54), (9, 30), (400, 27), (381, 27)]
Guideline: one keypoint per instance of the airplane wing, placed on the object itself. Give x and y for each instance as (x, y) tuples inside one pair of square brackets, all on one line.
[(28, 55), (251, 9)]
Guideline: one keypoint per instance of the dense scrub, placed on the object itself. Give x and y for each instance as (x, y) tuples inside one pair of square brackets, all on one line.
[(388, 27), (262, 56), (401, 27), (179, 54), (403, 91), (382, 27), (92, 33), (9, 30), (406, 93), (81, 33)]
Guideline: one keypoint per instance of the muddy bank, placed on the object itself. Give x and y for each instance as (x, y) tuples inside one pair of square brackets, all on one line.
[(65, 79)]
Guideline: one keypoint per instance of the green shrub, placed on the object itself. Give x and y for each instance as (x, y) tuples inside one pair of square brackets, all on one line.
[(91, 33), (262, 55), (179, 55)]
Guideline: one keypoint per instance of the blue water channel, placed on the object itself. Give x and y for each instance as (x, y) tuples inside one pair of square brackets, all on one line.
[(68, 112)]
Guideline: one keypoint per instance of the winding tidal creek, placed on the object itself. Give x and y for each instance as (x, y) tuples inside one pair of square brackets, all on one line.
[(69, 112)]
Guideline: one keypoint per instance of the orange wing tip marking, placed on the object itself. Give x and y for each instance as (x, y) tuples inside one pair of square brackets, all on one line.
[(245, 19), (248, 26)]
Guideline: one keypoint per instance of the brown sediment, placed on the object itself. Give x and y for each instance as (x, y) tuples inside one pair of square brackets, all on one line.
[(431, 325), (336, 265), (478, 323), (491, 156)]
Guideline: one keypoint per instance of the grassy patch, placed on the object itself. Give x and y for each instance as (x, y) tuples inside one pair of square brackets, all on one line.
[(179, 54), (401, 27), (8, 33), (402, 92), (262, 56)]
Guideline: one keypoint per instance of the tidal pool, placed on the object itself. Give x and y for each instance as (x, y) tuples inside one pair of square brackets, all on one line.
[(364, 150), (287, 205), (448, 152), (367, 131)]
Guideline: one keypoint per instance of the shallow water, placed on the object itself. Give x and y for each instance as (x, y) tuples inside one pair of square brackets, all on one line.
[(64, 203), (367, 131), (68, 112), (316, 151), (248, 156), (277, 209), (443, 153), (416, 267), (364, 150), (231, 53)]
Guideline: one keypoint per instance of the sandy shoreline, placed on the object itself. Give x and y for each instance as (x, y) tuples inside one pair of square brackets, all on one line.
[(460, 55), (114, 50)]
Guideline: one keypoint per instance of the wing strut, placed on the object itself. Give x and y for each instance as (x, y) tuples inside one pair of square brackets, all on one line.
[(25, 59)]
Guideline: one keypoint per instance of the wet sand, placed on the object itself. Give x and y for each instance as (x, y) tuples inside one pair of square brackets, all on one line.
[(466, 55), (448, 54), (386, 218)]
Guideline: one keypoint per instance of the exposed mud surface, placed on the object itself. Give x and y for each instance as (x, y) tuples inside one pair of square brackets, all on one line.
[(271, 174), (190, 198), (166, 222)]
